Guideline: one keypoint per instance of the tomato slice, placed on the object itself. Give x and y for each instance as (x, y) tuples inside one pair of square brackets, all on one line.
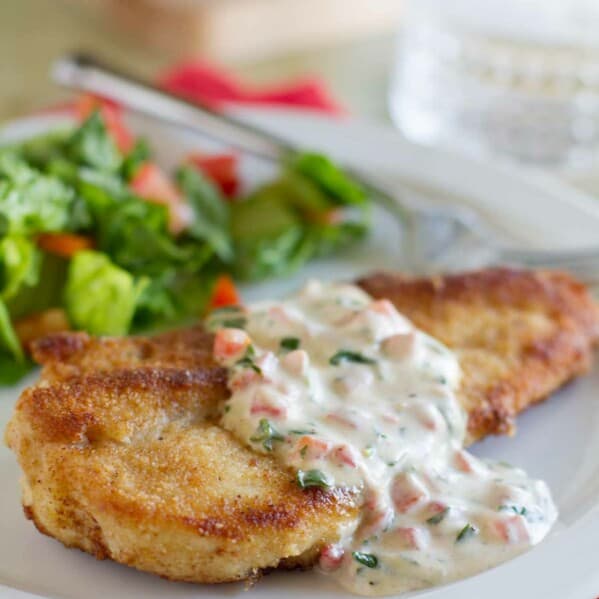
[(64, 244), (112, 115), (153, 185), (224, 293), (221, 169)]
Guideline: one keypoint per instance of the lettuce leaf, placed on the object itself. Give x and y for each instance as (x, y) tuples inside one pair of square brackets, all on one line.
[(132, 231), (211, 211), (43, 149), (30, 201), (312, 209), (100, 297), (141, 276), (47, 292), (91, 145), (175, 297), (19, 265), (268, 237), (329, 178), (157, 304), (135, 158), (30, 281), (8, 338)]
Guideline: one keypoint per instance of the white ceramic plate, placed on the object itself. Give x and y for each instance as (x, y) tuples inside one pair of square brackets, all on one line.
[(557, 441)]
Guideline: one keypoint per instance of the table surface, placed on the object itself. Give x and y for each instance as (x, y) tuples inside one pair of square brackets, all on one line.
[(33, 32)]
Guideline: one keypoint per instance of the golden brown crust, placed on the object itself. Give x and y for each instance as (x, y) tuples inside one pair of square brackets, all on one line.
[(519, 334), (123, 457)]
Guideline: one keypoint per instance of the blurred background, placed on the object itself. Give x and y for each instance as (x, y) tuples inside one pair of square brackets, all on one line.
[(264, 41), (516, 79)]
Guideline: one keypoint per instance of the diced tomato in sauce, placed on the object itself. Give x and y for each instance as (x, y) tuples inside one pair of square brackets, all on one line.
[(264, 404), (374, 522), (407, 493), (383, 306), (331, 557), (343, 455), (436, 507), (296, 362), (399, 346), (464, 462), (311, 448), (411, 537), (243, 379), (230, 343), (377, 515), (341, 419), (512, 530)]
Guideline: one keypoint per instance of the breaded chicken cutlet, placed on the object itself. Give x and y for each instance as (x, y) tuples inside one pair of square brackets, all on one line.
[(519, 335), (123, 456)]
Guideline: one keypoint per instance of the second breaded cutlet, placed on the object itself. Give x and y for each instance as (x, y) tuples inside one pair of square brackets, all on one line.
[(519, 335), (123, 457)]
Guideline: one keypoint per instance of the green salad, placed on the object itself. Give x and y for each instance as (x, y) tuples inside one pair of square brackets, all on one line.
[(95, 237)]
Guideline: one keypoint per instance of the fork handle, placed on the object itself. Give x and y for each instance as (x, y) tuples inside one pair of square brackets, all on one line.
[(84, 72)]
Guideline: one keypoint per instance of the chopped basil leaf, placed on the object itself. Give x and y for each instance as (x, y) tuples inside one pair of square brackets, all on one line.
[(290, 343), (521, 511), (266, 434), (312, 478), (345, 355), (438, 517), (247, 361), (466, 532), (366, 559), (302, 432)]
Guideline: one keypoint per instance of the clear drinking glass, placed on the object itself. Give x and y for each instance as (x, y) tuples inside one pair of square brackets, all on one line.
[(513, 77)]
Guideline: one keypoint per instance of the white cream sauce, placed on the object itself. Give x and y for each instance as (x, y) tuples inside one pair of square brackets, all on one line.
[(345, 391)]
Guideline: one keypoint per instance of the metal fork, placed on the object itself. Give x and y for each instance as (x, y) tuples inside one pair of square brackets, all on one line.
[(437, 238)]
